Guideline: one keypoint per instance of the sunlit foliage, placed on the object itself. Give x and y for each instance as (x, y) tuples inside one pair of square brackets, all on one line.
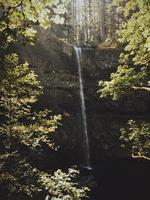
[(134, 61), (18, 91), (19, 17), (136, 138), (64, 186), (23, 131), (133, 72)]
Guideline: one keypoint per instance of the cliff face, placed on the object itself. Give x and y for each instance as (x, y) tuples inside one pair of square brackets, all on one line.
[(54, 62)]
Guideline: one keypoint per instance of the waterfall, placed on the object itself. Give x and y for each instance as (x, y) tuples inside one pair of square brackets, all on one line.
[(78, 53)]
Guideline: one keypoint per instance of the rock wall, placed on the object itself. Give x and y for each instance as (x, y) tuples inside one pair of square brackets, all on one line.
[(56, 66)]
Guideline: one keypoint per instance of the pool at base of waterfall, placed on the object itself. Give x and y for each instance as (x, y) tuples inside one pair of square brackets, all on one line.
[(121, 179)]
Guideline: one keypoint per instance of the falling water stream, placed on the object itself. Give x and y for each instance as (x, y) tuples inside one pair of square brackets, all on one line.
[(78, 53)]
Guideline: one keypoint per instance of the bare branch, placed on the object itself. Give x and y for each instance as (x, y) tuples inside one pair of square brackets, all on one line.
[(140, 156), (141, 88)]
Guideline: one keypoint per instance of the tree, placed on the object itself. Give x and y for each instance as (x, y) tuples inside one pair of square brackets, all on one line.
[(22, 130), (64, 186), (19, 89), (88, 20), (133, 72), (134, 61), (21, 127), (136, 138)]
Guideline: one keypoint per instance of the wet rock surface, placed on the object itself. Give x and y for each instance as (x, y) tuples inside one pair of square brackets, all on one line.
[(55, 64)]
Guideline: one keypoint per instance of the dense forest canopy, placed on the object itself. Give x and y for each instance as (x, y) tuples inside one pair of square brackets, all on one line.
[(91, 21)]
